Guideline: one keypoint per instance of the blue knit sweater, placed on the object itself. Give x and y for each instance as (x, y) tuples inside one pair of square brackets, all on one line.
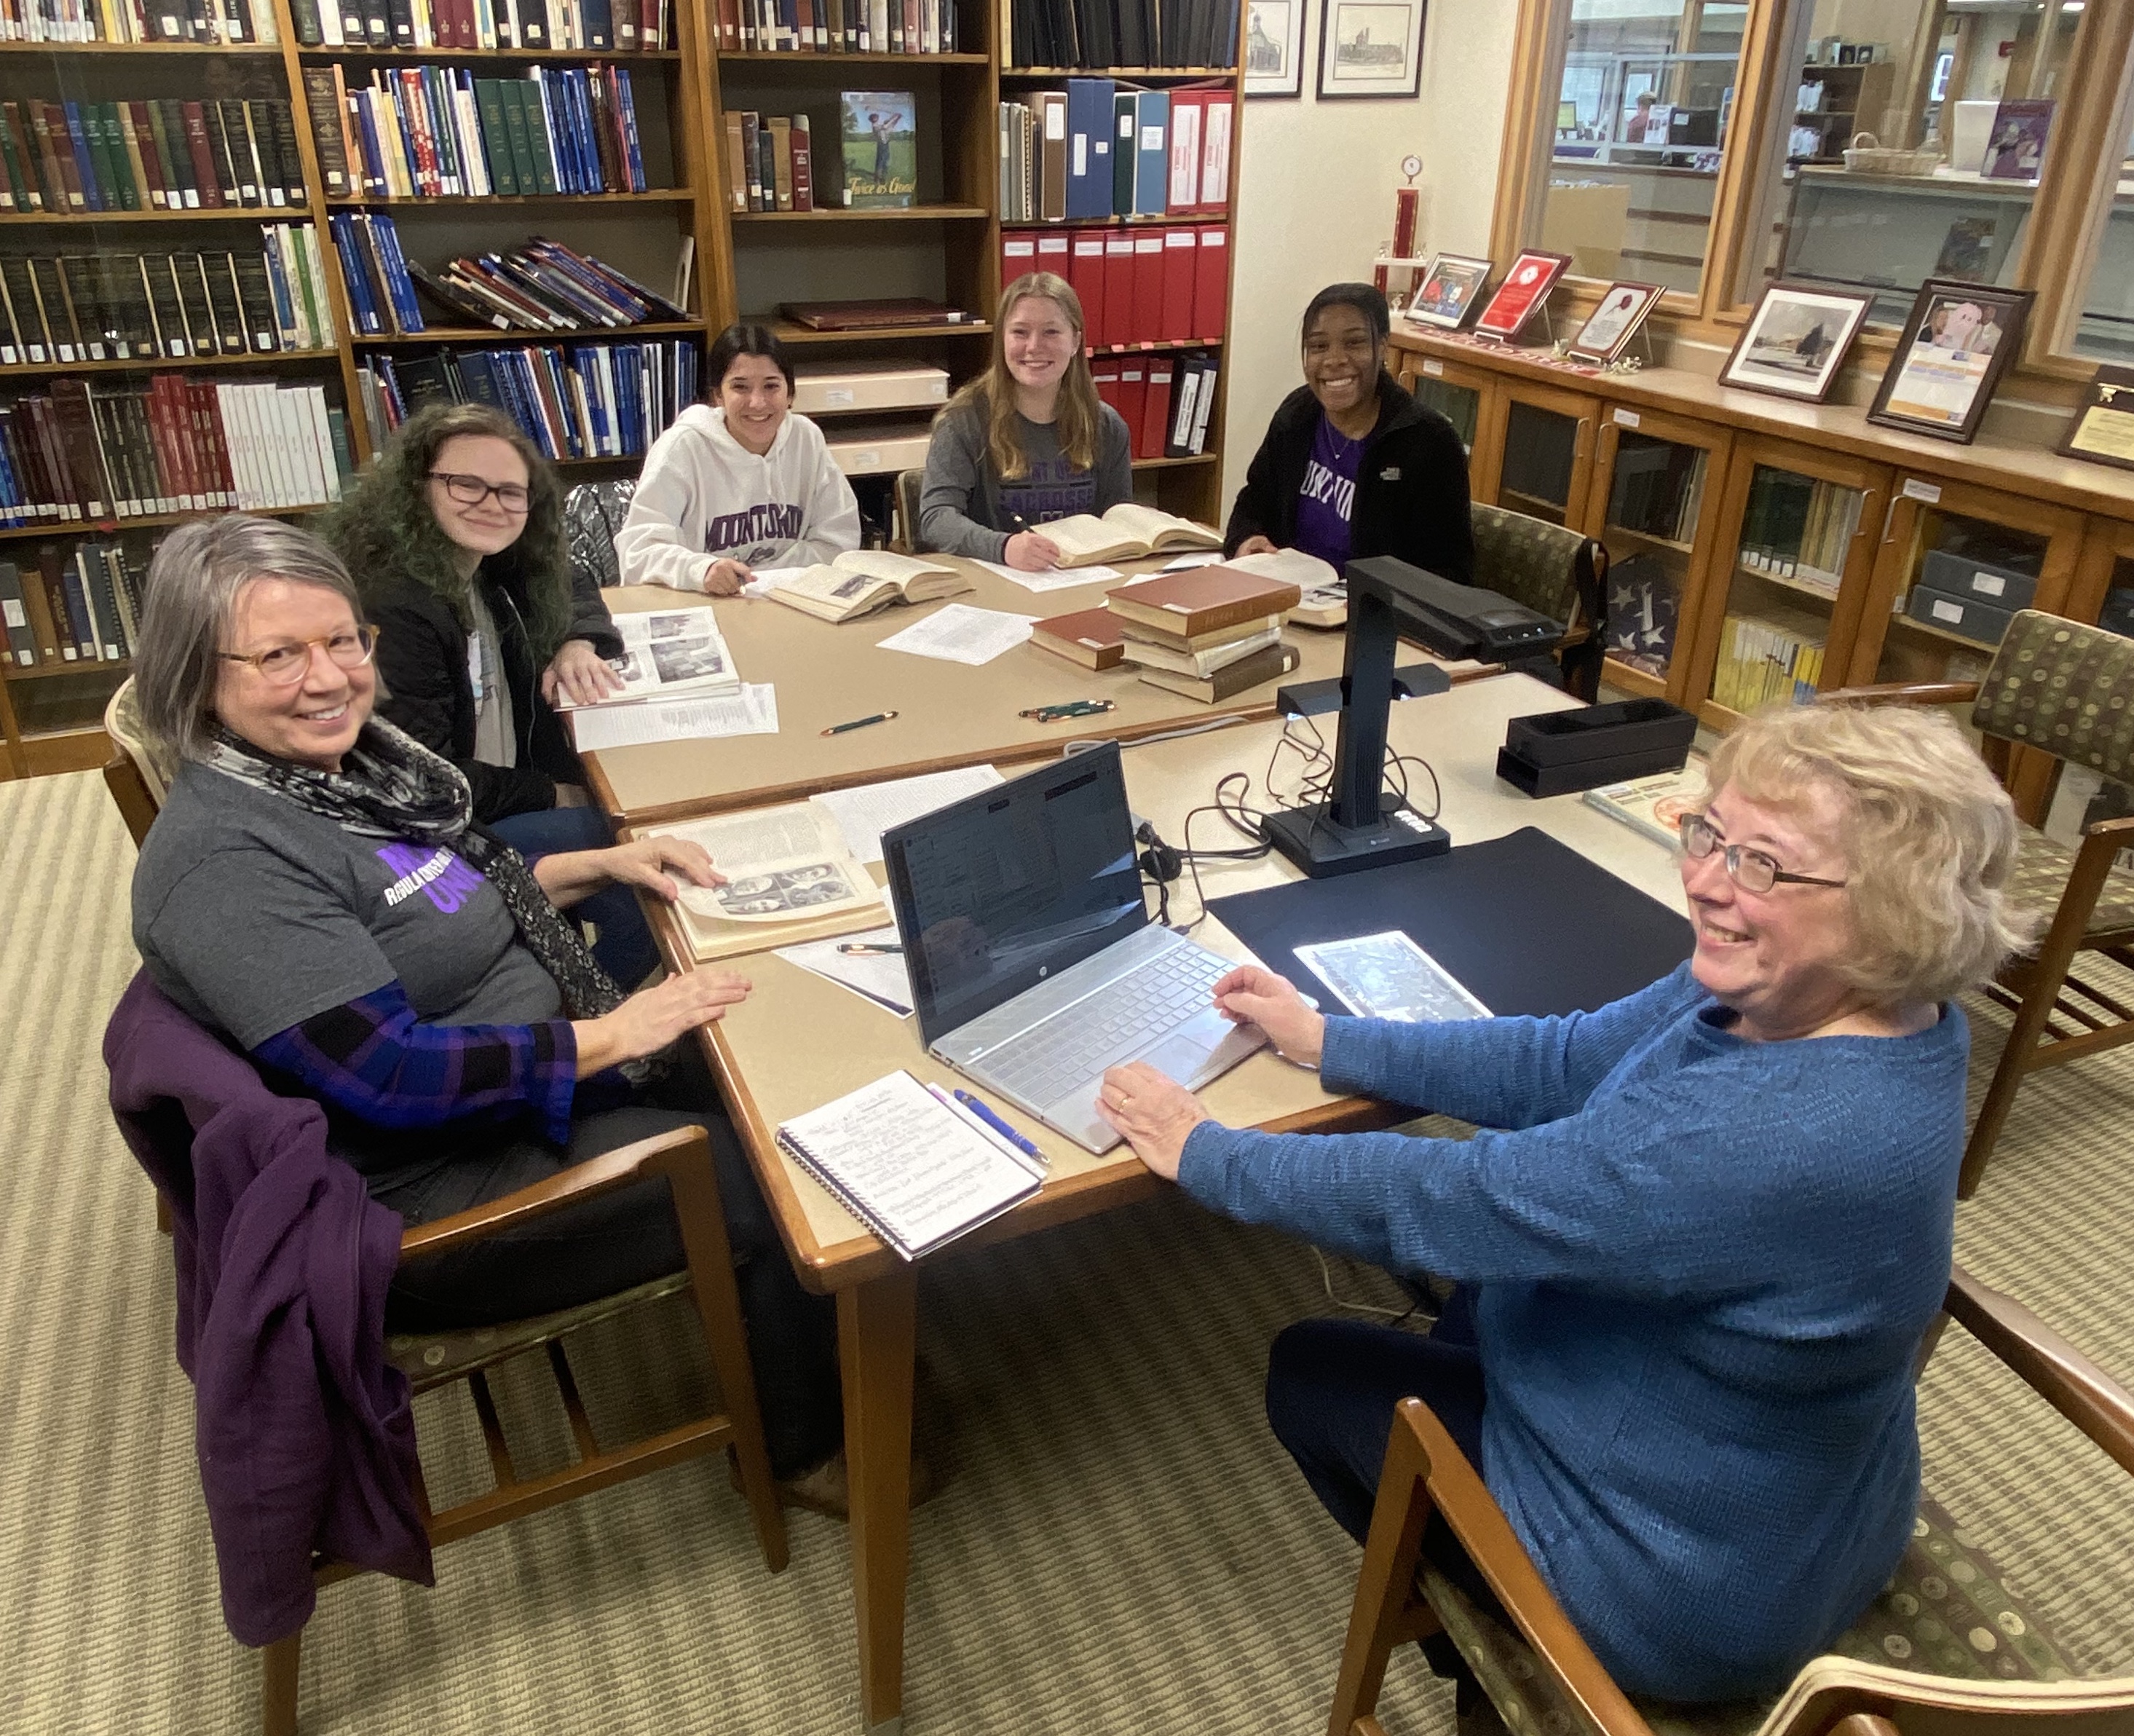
[(1703, 1268)]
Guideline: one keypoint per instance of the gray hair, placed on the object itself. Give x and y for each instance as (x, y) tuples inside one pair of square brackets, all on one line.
[(191, 596)]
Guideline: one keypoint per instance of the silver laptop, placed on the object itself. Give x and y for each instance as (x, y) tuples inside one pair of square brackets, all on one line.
[(1034, 964)]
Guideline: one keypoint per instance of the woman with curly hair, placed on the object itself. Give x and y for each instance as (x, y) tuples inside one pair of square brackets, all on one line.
[(455, 537)]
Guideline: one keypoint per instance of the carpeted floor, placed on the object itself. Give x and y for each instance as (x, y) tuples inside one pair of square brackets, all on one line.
[(1120, 1544)]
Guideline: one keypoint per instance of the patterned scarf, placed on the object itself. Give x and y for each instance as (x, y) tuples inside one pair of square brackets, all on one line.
[(390, 785)]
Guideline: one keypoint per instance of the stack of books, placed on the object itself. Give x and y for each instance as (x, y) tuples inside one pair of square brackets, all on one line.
[(1797, 529), (1209, 632), (1772, 656), (79, 606), (605, 26), (541, 286), (135, 21), (770, 161), (1095, 150), (1142, 285), (837, 26), (164, 154)]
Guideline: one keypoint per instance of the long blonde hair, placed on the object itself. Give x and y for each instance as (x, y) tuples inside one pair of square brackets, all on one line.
[(992, 393)]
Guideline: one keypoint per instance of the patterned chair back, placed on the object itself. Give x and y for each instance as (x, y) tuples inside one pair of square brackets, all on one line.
[(1555, 571), (592, 513), (2065, 689)]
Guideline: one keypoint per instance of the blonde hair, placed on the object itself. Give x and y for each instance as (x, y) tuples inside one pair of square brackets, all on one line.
[(1929, 838), (992, 393)]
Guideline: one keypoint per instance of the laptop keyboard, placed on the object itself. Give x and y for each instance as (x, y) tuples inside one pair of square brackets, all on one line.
[(1079, 1042)]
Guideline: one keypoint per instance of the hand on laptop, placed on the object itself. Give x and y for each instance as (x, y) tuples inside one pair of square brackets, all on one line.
[(1250, 995), (1154, 1112)]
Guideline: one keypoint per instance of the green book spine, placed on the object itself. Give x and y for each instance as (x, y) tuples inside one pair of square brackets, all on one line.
[(511, 91), (18, 184), (108, 179), (131, 195), (1124, 153), (180, 193), (540, 141), (495, 139)]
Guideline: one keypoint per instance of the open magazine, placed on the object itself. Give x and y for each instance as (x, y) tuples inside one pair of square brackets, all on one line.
[(789, 876), (667, 654)]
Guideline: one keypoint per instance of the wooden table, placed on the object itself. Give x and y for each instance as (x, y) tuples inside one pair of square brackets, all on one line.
[(948, 715), (800, 1040)]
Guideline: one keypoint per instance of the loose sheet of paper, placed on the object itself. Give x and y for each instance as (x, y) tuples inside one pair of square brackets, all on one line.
[(882, 977), (957, 633), (1187, 563), (752, 711), (768, 579), (1388, 976), (863, 814), (1055, 578)]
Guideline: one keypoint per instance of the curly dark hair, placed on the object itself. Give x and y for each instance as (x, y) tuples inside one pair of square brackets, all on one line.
[(385, 528)]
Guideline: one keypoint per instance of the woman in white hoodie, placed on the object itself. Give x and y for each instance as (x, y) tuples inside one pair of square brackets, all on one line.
[(738, 482)]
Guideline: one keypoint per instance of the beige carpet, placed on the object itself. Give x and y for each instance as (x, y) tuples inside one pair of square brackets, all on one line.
[(1120, 1546)]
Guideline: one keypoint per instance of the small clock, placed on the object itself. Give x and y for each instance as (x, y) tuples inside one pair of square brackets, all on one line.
[(1411, 165)]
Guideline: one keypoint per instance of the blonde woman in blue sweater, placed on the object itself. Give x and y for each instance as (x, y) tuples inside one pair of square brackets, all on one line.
[(1701, 1231)]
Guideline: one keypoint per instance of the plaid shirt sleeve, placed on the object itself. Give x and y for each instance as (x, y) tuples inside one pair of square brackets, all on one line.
[(375, 1059)]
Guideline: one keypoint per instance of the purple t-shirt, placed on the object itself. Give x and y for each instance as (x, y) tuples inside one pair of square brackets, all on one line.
[(1328, 495)]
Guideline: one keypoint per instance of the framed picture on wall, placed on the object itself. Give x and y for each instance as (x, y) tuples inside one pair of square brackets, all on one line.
[(1370, 48), (1619, 318), (1795, 342), (2102, 430), (1274, 48), (1527, 281), (1958, 341), (1450, 292)]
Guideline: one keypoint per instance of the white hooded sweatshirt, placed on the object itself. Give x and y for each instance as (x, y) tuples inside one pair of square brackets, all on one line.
[(704, 496)]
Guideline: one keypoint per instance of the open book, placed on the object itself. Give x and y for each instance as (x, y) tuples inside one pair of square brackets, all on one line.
[(917, 1167), (1833, 1685), (790, 876), (862, 580), (1325, 600), (668, 654), (1125, 533)]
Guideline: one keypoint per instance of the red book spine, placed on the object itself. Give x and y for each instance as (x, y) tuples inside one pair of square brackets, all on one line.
[(1052, 252), (1085, 270), (1133, 393), (1146, 325), (1156, 408), (1018, 254), (173, 448), (1105, 372), (1118, 288), (1179, 251), (203, 169), (1211, 282), (207, 418)]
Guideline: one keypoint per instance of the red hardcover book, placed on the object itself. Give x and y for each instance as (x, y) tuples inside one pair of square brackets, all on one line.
[(1146, 325), (207, 418), (1211, 282), (803, 164), (203, 169), (807, 19), (1182, 167), (84, 458), (20, 135), (173, 450), (135, 117), (415, 106), (649, 35), (1119, 286), (1104, 370), (1018, 254), (1180, 252), (1156, 408), (1133, 393), (1216, 122), (729, 25), (62, 185), (51, 449), (30, 436), (1085, 270), (1052, 254)]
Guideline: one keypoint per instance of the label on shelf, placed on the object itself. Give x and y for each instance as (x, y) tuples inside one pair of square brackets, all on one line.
[(1625, 418), (1989, 584), (1433, 367), (1952, 611), (1916, 489)]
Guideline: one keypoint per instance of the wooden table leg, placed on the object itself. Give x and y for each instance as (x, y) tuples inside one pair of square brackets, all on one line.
[(875, 1327)]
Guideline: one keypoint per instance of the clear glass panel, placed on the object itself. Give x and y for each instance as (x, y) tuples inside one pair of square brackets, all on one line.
[(2117, 614), (1967, 578), (1898, 163), (1795, 532), (1540, 449), (2106, 328), (1459, 405), (1641, 125), (1653, 504)]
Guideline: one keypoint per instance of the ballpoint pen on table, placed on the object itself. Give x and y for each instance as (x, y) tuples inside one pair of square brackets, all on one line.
[(880, 717), (1069, 708), (869, 950), (996, 1124)]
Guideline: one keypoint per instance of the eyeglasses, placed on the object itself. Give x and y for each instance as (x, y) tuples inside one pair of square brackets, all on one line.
[(472, 490), (1751, 870), (286, 665)]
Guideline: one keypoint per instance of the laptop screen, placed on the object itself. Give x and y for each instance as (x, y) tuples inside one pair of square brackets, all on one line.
[(997, 892)]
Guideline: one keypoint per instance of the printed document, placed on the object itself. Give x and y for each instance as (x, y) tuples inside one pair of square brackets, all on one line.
[(957, 633)]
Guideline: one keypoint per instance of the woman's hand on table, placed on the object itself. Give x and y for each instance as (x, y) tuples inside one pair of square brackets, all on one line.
[(654, 1017), (1027, 552), (1256, 545), (1252, 995), (1153, 1111), (580, 673)]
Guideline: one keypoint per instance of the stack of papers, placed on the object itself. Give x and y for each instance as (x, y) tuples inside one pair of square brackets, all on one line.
[(753, 710), (1055, 578), (957, 633)]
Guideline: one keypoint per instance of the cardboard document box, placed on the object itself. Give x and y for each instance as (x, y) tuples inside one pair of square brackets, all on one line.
[(882, 386), (881, 452)]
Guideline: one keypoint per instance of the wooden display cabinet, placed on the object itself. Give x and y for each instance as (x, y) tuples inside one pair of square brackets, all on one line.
[(1541, 460), (1471, 400)]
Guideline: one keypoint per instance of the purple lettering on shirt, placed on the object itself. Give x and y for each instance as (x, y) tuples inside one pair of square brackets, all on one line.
[(1053, 490), (752, 525), (439, 874), (1328, 495)]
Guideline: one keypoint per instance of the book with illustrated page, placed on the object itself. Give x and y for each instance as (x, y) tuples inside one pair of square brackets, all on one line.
[(862, 580), (789, 876), (668, 654), (1655, 805), (1126, 532), (880, 144)]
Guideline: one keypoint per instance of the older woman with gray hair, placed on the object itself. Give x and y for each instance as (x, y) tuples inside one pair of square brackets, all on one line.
[(1700, 1233), (315, 890)]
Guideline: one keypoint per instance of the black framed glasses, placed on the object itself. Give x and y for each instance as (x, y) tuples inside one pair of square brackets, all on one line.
[(473, 491), (285, 665), (1751, 870)]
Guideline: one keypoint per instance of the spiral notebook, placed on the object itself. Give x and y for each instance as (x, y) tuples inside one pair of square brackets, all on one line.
[(916, 1169)]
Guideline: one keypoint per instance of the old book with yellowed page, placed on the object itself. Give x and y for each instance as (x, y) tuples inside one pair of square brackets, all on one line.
[(1125, 533), (790, 876), (862, 580)]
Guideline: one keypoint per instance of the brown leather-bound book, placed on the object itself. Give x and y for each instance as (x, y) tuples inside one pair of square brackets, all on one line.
[(323, 101), (1052, 131), (804, 165), (1202, 599), (736, 164), (1270, 664), (781, 156), (56, 609), (62, 185), (205, 174), (868, 316), (1091, 637)]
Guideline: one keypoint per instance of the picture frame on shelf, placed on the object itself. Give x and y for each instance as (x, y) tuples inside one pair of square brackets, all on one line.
[(1958, 341), (1274, 48), (2103, 428), (2016, 150), (1370, 48), (1449, 292), (1527, 281), (1796, 340), (1614, 324)]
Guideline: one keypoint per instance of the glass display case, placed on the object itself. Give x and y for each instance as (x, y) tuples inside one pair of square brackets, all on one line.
[(1886, 234), (2105, 332), (1960, 580), (1546, 461)]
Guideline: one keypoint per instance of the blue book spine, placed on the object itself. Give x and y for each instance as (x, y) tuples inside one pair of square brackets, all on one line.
[(374, 183), (581, 108), (278, 284), (84, 164), (399, 285), (569, 88), (1089, 148), (445, 129), (341, 225), (11, 492), (77, 608), (627, 106), (397, 95), (1152, 153)]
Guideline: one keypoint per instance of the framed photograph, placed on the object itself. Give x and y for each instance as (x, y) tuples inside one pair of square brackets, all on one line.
[(1274, 48), (2102, 430), (2015, 151), (1450, 292), (1795, 342), (1619, 318), (1527, 281), (1957, 340), (1370, 48)]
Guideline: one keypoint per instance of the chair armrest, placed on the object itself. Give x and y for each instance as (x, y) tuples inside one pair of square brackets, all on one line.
[(2115, 829), (1903, 693), (2067, 1379), (1488, 1537), (603, 1174)]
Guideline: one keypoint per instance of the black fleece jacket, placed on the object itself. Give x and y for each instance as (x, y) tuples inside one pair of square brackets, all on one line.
[(422, 667), (1410, 484)]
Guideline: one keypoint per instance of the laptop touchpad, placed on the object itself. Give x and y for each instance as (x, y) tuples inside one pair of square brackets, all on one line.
[(1202, 1050)]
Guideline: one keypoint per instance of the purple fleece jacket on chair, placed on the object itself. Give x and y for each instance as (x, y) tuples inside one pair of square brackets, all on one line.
[(303, 1429)]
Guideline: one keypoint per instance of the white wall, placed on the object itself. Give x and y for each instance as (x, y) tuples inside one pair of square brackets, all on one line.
[(1316, 189)]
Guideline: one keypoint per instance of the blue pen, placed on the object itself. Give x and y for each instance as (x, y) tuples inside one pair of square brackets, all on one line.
[(996, 1124)]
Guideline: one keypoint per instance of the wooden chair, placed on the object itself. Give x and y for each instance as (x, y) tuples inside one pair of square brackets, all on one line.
[(1975, 1661), (2067, 690), (684, 1158), (909, 485), (137, 775), (1558, 572)]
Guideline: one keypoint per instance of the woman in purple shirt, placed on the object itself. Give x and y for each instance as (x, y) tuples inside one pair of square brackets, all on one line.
[(1352, 466)]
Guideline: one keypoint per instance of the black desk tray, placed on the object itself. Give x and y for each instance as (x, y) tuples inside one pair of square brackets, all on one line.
[(1618, 768), (1613, 733)]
